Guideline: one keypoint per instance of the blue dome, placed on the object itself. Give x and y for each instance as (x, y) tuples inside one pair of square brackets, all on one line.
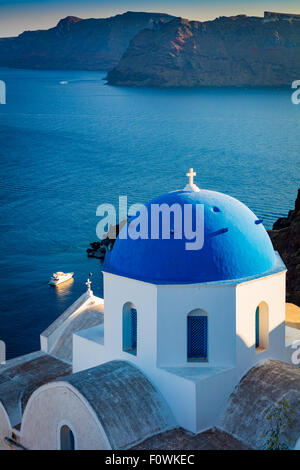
[(236, 245)]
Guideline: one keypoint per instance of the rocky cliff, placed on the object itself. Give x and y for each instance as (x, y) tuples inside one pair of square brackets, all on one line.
[(286, 240), (229, 51), (91, 44)]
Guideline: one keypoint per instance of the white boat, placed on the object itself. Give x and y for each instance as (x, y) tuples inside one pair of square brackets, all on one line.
[(59, 277)]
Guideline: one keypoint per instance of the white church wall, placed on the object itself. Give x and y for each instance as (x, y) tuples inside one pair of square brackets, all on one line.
[(211, 398), (271, 291), (162, 339), (50, 407), (195, 403), (179, 393), (174, 305), (87, 353), (117, 292)]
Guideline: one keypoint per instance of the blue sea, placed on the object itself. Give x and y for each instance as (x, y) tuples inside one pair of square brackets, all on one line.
[(68, 147)]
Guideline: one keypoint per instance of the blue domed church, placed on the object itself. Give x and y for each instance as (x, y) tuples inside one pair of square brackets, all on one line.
[(188, 344), (194, 319)]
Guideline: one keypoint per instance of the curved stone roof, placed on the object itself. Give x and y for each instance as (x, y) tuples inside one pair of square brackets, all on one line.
[(261, 388), (21, 376), (127, 405), (85, 312), (236, 244), (179, 439), (90, 317)]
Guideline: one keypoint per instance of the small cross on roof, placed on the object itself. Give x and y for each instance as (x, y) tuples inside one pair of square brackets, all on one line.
[(191, 175), (191, 186)]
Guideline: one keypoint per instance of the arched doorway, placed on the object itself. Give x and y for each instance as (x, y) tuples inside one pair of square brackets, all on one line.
[(67, 441)]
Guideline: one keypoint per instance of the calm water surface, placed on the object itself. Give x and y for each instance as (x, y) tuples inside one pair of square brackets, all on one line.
[(66, 148)]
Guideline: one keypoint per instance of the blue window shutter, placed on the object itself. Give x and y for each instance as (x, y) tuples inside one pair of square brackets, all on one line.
[(197, 337), (133, 328), (257, 328)]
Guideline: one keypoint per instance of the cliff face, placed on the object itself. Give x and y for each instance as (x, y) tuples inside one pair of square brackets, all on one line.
[(229, 51), (286, 240), (92, 44)]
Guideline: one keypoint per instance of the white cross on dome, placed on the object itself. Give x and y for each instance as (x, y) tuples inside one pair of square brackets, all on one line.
[(191, 186)]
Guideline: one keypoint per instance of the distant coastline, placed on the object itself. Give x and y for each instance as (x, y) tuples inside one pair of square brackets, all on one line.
[(76, 43), (159, 50), (235, 51)]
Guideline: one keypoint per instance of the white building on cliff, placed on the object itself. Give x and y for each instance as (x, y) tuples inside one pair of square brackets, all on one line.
[(178, 331)]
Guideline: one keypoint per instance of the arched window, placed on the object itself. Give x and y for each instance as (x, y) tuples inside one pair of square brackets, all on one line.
[(262, 327), (197, 329), (257, 328), (129, 328), (67, 441)]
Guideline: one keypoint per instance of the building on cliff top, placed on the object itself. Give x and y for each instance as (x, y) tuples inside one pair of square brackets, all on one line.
[(273, 16), (187, 351)]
